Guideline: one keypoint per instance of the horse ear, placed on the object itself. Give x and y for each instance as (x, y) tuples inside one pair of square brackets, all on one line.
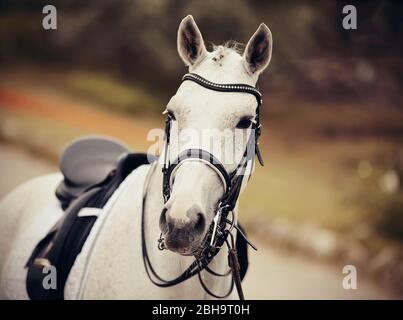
[(191, 46), (257, 53)]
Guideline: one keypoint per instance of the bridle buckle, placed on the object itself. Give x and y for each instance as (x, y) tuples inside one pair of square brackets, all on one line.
[(217, 221)]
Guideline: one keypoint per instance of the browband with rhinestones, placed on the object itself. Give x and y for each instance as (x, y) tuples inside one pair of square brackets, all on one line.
[(234, 87)]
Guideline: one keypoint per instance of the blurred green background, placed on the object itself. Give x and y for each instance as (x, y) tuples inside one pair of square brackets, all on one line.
[(332, 113)]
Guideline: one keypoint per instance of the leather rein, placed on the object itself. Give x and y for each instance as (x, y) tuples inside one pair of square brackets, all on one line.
[(218, 233)]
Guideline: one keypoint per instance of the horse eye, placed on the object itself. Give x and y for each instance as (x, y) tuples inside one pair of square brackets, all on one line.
[(244, 123)]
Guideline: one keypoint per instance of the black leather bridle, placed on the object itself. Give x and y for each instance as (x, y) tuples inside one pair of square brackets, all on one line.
[(218, 232)]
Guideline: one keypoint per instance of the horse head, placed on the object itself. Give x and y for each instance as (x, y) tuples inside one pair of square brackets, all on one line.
[(212, 121)]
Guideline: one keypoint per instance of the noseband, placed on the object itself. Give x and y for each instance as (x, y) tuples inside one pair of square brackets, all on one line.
[(232, 182)]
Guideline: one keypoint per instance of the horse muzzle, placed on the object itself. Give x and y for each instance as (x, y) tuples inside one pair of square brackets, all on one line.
[(182, 236)]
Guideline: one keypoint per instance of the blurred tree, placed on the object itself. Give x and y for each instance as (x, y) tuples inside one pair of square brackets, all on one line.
[(136, 39)]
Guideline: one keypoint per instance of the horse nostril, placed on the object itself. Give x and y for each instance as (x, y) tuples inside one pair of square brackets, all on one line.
[(200, 223)]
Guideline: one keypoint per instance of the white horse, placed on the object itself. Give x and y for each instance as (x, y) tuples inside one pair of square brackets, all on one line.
[(110, 265)]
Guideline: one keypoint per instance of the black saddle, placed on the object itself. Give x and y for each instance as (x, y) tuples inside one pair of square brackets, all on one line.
[(93, 161), (93, 168), (87, 162)]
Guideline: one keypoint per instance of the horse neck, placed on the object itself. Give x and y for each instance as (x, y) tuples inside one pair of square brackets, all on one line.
[(169, 265)]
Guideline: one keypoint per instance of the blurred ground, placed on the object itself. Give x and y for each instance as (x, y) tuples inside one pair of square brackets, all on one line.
[(277, 274), (18, 166), (273, 274)]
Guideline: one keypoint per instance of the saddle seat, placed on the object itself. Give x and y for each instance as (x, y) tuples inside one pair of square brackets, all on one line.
[(92, 161)]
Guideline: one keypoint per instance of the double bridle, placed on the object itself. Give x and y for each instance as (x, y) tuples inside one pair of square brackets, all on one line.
[(218, 232)]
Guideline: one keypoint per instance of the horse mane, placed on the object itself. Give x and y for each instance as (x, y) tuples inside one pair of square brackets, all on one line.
[(228, 46)]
